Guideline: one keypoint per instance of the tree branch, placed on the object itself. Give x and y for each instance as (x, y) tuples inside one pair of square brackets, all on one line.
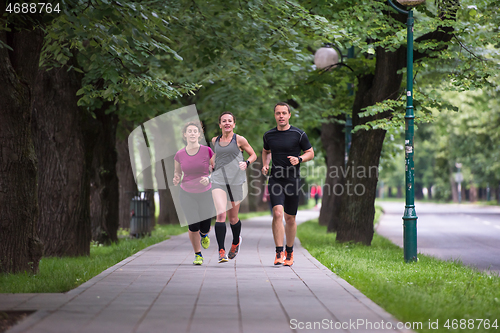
[(466, 49), (447, 11)]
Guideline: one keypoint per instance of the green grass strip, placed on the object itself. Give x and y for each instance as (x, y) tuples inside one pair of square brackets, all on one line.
[(245, 216), (425, 291), (57, 275)]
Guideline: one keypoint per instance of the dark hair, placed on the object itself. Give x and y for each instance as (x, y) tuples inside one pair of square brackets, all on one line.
[(282, 104), (227, 112), (191, 123)]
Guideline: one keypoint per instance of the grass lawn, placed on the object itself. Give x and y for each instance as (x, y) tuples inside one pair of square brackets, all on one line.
[(244, 216), (479, 203), (425, 291), (58, 275)]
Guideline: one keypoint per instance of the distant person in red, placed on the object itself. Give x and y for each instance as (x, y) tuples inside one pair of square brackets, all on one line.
[(316, 193)]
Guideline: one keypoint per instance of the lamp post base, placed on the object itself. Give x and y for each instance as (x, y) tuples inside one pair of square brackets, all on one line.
[(410, 234)]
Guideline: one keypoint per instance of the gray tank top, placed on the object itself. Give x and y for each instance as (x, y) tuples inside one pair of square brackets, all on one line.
[(227, 158)]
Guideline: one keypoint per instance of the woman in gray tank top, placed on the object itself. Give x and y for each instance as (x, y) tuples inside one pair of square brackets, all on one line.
[(227, 182)]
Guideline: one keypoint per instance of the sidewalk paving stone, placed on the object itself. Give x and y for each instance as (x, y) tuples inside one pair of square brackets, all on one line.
[(159, 290)]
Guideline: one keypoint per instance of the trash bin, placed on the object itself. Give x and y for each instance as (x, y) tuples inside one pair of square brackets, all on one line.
[(139, 213)]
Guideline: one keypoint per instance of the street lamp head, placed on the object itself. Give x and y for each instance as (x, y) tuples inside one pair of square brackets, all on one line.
[(410, 3), (326, 57)]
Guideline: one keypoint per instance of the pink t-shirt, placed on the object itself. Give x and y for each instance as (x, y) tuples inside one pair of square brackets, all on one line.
[(194, 167)]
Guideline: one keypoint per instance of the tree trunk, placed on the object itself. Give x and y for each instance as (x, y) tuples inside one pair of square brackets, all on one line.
[(419, 193), (380, 193), (150, 194), (429, 192), (498, 194), (60, 140), (473, 195), (399, 192), (358, 201), (168, 214), (126, 183), (333, 139), (358, 211), (454, 187), (20, 247), (104, 181)]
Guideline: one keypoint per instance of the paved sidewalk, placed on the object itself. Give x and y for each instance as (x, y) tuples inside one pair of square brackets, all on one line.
[(160, 290)]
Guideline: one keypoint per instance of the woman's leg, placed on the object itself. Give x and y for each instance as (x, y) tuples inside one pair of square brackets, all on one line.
[(220, 202), (206, 212), (194, 236), (235, 228), (235, 221), (189, 206)]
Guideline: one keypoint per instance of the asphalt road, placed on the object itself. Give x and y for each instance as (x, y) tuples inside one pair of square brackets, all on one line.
[(470, 233)]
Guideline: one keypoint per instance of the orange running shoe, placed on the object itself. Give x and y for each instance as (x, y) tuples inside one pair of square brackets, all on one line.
[(289, 259), (234, 250), (222, 256), (280, 257)]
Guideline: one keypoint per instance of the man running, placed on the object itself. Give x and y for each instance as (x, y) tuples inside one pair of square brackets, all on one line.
[(285, 142)]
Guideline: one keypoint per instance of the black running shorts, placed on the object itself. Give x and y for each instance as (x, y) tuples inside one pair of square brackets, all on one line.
[(285, 192)]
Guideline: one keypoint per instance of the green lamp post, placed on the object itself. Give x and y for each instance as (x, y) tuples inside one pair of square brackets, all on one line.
[(410, 215)]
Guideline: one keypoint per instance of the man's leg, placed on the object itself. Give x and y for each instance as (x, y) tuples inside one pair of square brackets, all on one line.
[(290, 210), (277, 198), (290, 229), (278, 234), (278, 229)]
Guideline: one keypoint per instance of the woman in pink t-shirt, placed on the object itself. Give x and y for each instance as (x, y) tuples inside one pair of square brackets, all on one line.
[(193, 164)]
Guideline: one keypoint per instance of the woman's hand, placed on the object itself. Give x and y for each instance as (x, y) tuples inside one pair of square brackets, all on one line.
[(243, 165), (204, 181), (177, 179)]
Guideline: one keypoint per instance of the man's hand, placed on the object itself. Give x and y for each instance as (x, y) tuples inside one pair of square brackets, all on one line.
[(265, 169), (293, 160)]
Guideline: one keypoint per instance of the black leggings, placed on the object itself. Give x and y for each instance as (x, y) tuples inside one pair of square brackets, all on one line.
[(203, 226), (198, 209)]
